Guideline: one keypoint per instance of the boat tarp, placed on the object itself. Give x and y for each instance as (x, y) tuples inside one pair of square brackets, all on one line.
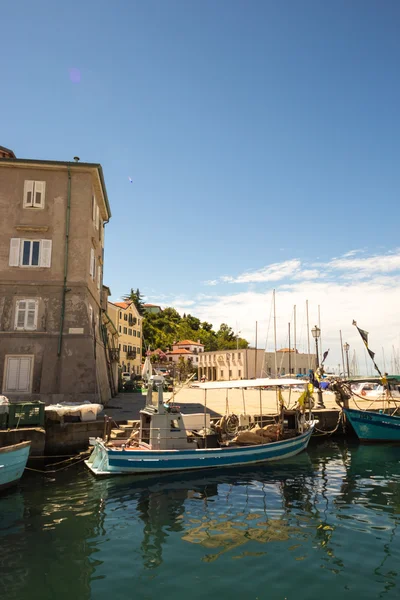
[(250, 383)]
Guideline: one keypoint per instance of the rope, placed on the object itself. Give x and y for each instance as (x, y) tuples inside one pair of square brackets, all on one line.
[(56, 470), (321, 432)]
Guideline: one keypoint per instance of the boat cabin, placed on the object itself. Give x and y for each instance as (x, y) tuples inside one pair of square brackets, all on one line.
[(163, 426)]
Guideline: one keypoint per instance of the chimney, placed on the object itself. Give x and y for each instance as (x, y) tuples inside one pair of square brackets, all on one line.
[(76, 158)]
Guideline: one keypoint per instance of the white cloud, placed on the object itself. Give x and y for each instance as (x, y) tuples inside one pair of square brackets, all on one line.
[(211, 282), (384, 263), (273, 272)]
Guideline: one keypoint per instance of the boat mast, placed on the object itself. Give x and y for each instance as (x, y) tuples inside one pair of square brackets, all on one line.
[(276, 365), (295, 342), (255, 355), (290, 358), (341, 347), (308, 338), (320, 336)]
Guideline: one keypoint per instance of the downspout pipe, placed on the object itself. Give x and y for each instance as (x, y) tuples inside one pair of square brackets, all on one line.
[(65, 289)]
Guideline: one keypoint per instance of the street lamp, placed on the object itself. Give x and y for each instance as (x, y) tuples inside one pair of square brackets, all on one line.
[(316, 332), (346, 348)]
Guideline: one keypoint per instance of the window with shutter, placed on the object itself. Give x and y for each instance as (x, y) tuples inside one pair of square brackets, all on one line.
[(93, 208), (91, 262), (98, 277), (34, 192), (90, 317), (18, 373), (26, 313), (97, 216)]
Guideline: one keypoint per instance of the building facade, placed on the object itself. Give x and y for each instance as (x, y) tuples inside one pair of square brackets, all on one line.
[(226, 365), (186, 349), (128, 323), (152, 308), (51, 264)]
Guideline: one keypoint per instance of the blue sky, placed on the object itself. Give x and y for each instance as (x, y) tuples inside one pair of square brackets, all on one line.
[(256, 133)]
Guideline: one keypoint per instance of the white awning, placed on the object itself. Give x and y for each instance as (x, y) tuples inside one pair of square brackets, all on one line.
[(251, 383)]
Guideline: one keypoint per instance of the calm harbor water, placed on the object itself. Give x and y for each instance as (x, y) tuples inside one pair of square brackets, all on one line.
[(321, 525)]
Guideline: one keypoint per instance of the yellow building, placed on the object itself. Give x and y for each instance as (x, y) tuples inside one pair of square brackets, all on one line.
[(128, 323)]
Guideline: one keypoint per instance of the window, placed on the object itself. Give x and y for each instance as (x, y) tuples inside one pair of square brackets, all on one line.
[(239, 356), (124, 348), (92, 266), (125, 330), (119, 346), (134, 332), (222, 373), (125, 317), (129, 331), (138, 333), (283, 371), (18, 373), (239, 373), (26, 314), (120, 314), (30, 253), (34, 194), (120, 329), (138, 321)]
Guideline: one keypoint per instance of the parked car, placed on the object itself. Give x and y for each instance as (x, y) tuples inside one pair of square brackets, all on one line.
[(125, 376)]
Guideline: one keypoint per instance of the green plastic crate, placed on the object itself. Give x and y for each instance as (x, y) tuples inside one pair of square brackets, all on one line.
[(27, 414)]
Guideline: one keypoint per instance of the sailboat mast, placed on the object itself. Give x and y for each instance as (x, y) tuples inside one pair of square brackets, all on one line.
[(290, 358), (320, 335), (308, 338), (276, 363), (341, 347), (295, 340)]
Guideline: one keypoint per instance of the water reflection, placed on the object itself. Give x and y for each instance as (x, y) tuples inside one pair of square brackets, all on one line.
[(86, 538)]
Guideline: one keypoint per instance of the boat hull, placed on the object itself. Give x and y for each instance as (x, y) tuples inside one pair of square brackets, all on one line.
[(13, 461), (374, 427), (106, 461)]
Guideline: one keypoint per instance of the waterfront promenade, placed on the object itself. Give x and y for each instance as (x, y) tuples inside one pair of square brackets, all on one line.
[(191, 400)]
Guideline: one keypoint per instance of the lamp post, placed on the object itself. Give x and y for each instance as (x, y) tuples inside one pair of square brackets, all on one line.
[(316, 332), (346, 348)]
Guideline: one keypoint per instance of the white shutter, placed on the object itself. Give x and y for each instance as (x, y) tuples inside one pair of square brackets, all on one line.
[(91, 262), (12, 374), (28, 193), (102, 236), (31, 317), (94, 268), (24, 375), (97, 216), (20, 314), (98, 277), (93, 208), (38, 197), (45, 253), (90, 317), (14, 252)]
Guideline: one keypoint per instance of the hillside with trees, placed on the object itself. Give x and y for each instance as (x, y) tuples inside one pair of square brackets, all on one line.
[(163, 329)]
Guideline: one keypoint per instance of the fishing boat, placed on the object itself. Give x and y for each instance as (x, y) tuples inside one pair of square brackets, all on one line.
[(169, 440), (374, 426), (13, 461)]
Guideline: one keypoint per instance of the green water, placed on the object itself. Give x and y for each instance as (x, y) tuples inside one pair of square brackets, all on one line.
[(322, 525)]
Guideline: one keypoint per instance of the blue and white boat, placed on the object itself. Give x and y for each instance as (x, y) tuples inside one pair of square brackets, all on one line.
[(374, 426), (13, 461), (167, 442)]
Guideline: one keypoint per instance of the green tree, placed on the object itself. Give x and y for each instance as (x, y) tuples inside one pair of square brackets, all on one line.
[(137, 299)]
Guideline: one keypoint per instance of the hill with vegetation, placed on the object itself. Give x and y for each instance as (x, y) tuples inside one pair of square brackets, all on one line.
[(161, 330)]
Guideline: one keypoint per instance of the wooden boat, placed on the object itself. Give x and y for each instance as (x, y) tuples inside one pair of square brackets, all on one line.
[(165, 443), (374, 426), (13, 461)]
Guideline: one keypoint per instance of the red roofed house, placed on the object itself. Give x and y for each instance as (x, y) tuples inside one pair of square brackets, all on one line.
[(187, 349)]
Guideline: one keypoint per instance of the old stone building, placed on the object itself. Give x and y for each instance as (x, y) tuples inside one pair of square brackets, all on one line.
[(51, 268)]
